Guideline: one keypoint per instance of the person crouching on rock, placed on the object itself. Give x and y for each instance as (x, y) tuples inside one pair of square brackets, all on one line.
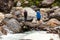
[(38, 15), (25, 15)]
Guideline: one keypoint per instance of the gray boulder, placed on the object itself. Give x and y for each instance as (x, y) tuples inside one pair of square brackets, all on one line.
[(14, 25)]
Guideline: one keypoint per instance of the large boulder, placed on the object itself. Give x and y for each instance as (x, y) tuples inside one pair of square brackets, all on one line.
[(30, 11), (13, 25)]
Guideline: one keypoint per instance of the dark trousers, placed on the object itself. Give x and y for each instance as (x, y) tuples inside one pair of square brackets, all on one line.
[(25, 16)]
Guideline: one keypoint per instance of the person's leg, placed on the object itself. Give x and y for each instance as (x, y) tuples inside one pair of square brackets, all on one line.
[(38, 20), (25, 17)]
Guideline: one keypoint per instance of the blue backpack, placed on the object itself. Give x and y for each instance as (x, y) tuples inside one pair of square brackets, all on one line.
[(38, 15)]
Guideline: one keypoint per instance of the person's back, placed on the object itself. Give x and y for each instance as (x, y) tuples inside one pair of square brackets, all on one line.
[(38, 15), (25, 15)]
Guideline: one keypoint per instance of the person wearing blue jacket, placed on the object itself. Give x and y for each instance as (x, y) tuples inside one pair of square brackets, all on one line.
[(38, 15)]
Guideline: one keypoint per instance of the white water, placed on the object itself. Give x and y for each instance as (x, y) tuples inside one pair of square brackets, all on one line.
[(33, 35)]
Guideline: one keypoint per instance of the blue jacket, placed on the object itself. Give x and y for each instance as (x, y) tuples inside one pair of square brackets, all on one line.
[(38, 15)]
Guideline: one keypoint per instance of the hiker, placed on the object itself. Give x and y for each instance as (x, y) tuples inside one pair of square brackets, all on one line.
[(38, 15), (25, 15)]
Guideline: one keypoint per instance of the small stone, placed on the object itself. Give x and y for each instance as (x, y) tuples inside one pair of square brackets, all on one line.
[(1, 17)]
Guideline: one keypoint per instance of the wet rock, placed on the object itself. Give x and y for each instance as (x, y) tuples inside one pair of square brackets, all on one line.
[(14, 25), (1, 17), (53, 22)]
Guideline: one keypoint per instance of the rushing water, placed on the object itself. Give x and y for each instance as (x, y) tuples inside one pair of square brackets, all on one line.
[(32, 35)]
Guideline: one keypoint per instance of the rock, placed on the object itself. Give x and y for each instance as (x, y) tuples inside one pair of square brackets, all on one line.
[(20, 19), (8, 15), (1, 33), (57, 11), (7, 29), (47, 2), (6, 5), (34, 7), (30, 11), (56, 7), (26, 2), (53, 22), (56, 14), (18, 4), (30, 19), (17, 11), (14, 25), (1, 17), (20, 8), (44, 14), (2, 30), (30, 24)]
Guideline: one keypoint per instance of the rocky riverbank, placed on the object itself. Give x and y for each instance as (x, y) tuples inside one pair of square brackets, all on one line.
[(11, 23), (12, 20)]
